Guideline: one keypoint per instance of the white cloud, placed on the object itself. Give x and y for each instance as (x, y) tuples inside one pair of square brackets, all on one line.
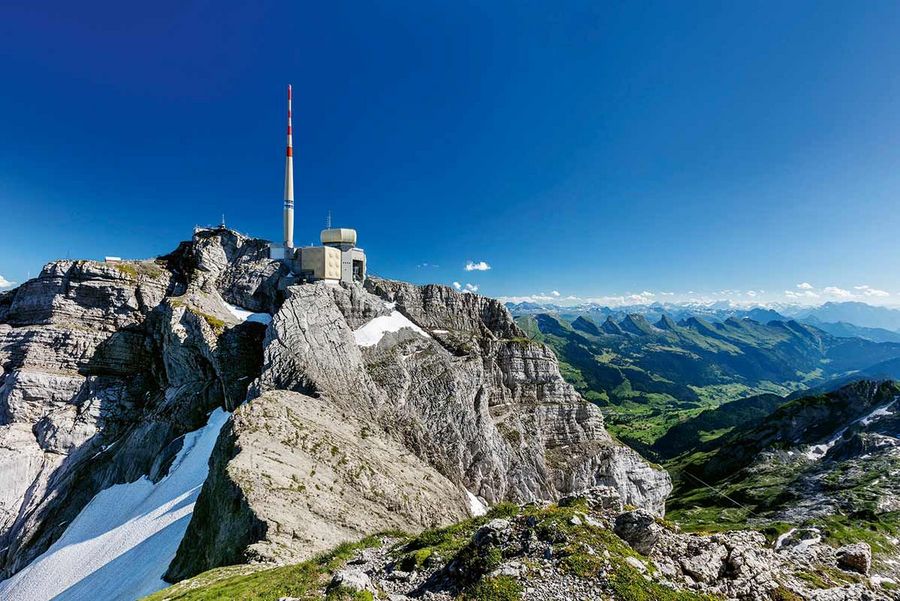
[(479, 266), (5, 284), (869, 291), (641, 297), (800, 295), (465, 289), (837, 292), (427, 266)]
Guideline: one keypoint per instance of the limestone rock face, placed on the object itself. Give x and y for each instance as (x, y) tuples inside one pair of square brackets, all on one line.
[(106, 366), (471, 395), (307, 476), (236, 266), (441, 307)]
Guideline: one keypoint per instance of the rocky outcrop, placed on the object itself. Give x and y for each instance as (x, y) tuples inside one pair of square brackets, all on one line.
[(547, 552), (497, 419), (856, 557), (475, 402), (441, 307), (106, 366), (304, 476), (237, 267)]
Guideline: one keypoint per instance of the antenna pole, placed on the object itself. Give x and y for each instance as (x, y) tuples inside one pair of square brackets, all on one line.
[(289, 181)]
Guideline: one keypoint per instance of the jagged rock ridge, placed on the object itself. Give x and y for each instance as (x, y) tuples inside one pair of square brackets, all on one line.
[(107, 366)]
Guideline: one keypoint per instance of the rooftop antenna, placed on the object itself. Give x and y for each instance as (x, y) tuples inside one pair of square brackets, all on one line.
[(289, 181), (223, 221), (328, 220)]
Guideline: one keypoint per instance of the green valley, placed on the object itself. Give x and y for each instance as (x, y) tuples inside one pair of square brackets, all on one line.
[(652, 377)]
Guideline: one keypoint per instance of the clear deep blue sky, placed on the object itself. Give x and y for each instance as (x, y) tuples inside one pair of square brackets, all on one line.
[(595, 149)]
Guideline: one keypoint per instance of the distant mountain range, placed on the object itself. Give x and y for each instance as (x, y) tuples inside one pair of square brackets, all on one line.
[(649, 377), (847, 320)]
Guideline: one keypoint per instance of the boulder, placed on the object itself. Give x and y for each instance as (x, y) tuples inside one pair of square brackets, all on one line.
[(353, 580), (855, 558), (494, 532), (639, 529), (706, 562), (598, 498)]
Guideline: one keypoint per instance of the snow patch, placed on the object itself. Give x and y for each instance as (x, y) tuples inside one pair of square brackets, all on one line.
[(245, 315), (880, 412), (780, 540), (801, 546), (817, 451), (476, 507), (440, 331), (124, 539), (372, 333)]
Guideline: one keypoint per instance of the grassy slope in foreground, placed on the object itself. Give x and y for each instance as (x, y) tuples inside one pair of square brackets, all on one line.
[(305, 580), (582, 554)]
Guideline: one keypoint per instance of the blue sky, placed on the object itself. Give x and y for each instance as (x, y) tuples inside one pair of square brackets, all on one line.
[(598, 150)]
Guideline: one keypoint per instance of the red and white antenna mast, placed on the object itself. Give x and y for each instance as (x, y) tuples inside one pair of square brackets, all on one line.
[(289, 181)]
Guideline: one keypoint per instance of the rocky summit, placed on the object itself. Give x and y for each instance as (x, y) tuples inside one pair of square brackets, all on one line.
[(203, 420), (199, 410)]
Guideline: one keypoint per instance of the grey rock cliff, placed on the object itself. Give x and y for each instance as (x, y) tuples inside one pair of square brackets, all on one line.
[(105, 366), (477, 404), (305, 476)]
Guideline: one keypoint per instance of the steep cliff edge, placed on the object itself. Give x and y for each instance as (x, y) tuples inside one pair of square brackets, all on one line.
[(434, 401), (106, 366), (446, 376)]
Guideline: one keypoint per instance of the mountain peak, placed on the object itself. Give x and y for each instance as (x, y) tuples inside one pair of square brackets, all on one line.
[(637, 324), (611, 327), (666, 323), (586, 325)]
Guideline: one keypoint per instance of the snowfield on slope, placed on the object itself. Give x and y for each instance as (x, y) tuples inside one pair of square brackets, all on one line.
[(475, 505), (122, 542), (817, 451), (372, 333)]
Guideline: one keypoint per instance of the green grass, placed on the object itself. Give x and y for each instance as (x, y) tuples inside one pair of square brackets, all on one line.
[(579, 545), (581, 548), (631, 585), (304, 580), (137, 269), (500, 588), (214, 322), (877, 530), (440, 544)]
